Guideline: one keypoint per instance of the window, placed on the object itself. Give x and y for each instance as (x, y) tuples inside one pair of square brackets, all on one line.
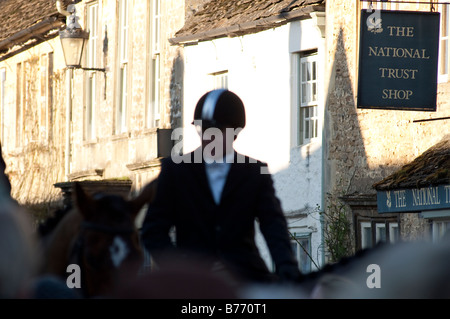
[(91, 76), (366, 235), (154, 105), (50, 93), (301, 244), (45, 97), (443, 44), (394, 232), (373, 232), (439, 228), (19, 103), (219, 80), (307, 104), (121, 105), (378, 5), (2, 102)]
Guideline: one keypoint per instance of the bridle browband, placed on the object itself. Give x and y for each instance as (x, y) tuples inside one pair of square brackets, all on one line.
[(105, 229)]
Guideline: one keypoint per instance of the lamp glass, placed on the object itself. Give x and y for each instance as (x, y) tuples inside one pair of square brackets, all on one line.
[(72, 44)]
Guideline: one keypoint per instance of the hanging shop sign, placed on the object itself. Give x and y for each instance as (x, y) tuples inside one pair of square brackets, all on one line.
[(398, 60), (414, 199)]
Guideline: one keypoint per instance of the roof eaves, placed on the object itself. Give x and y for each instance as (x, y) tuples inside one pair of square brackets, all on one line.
[(25, 38), (35, 30), (248, 27), (430, 168)]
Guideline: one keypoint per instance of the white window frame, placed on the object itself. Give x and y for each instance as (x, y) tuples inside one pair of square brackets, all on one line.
[(3, 105), (45, 98), (156, 26), (379, 227), (20, 78), (303, 258), (154, 104), (390, 232), (438, 229), (443, 61), (308, 96), (122, 72), (376, 5), (393, 229), (364, 241), (92, 23), (219, 80)]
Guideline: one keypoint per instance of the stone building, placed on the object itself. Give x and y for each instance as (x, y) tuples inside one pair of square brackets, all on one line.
[(107, 123), (365, 146), (147, 62)]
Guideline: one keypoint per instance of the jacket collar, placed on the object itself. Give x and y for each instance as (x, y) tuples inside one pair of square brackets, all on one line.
[(235, 175)]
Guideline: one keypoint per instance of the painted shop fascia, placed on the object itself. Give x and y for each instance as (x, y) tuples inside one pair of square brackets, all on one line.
[(414, 199)]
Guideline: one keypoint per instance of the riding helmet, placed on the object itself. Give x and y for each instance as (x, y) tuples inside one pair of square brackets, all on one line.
[(220, 107)]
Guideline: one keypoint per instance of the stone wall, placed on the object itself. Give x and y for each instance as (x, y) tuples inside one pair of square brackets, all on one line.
[(38, 163), (131, 154), (33, 143), (363, 146)]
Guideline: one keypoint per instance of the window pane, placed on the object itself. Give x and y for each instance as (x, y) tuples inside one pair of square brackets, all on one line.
[(381, 233), (444, 19), (301, 248), (124, 30), (314, 70), (314, 92), (393, 233), (306, 132), (93, 35), (443, 57), (308, 76), (315, 128), (304, 93), (443, 44), (366, 233), (156, 26), (304, 71), (305, 263), (156, 81)]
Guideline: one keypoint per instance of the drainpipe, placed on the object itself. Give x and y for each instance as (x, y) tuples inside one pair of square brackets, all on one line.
[(69, 77), (319, 21)]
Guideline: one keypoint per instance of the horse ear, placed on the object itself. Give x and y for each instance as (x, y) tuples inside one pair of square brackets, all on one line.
[(83, 201), (146, 196)]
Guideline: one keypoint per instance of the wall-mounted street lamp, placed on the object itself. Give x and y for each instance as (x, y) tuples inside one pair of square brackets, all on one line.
[(73, 40)]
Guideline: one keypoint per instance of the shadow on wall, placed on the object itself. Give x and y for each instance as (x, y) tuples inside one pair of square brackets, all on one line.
[(346, 163), (176, 91)]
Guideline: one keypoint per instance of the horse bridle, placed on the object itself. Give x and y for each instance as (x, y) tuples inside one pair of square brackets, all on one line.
[(105, 229), (78, 247)]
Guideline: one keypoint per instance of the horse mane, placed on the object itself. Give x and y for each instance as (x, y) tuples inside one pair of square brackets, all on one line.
[(344, 266), (47, 226)]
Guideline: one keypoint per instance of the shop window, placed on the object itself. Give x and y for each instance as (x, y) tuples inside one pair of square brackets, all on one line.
[(374, 232)]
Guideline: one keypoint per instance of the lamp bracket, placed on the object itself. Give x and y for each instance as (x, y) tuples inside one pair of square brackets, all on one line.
[(94, 69)]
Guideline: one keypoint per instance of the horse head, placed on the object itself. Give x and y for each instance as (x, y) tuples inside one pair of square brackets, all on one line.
[(100, 237)]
